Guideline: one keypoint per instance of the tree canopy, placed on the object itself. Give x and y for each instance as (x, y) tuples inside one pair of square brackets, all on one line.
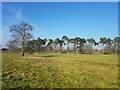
[(21, 34)]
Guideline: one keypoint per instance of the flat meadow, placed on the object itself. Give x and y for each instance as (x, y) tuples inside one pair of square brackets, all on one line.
[(51, 70)]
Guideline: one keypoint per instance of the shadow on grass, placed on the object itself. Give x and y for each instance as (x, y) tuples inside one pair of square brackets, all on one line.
[(49, 56)]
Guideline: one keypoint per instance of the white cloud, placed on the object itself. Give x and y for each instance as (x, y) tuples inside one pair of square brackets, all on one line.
[(19, 16), (15, 17)]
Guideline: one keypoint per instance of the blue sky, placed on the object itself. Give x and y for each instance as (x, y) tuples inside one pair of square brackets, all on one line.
[(52, 20)]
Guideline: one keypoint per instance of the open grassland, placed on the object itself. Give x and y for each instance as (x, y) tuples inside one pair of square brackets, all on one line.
[(59, 71)]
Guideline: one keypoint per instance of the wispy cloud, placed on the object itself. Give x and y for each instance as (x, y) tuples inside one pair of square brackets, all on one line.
[(19, 15), (13, 16)]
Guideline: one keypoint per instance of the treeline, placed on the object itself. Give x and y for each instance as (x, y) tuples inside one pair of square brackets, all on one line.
[(69, 45), (21, 42)]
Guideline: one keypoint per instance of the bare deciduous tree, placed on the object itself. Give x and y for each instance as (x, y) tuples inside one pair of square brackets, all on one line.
[(21, 34)]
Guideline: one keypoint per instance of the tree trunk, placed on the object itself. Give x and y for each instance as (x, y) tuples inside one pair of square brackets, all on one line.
[(23, 47), (116, 51), (23, 40), (23, 53)]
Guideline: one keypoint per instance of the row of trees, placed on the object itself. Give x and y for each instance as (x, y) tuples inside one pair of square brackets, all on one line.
[(22, 41), (76, 45)]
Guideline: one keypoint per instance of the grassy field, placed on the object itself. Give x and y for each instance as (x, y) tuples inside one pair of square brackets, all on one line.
[(59, 71)]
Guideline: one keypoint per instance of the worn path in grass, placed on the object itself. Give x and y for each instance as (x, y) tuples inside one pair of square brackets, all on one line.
[(60, 70)]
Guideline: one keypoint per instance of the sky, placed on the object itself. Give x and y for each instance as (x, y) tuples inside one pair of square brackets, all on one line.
[(56, 19)]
